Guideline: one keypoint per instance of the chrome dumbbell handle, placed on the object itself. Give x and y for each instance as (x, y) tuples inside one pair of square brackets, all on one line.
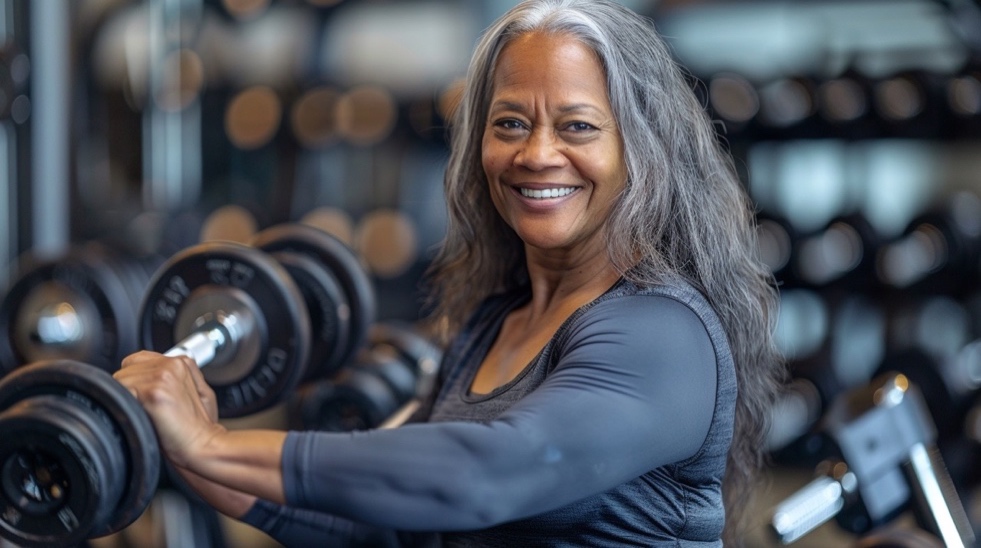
[(811, 506), (216, 334)]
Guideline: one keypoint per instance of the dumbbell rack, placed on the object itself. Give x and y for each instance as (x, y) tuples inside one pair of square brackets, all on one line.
[(84, 453)]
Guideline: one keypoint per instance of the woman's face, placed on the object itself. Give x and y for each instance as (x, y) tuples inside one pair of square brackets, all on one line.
[(552, 152)]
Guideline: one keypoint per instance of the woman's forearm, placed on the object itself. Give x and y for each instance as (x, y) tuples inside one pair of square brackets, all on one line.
[(230, 502), (246, 461)]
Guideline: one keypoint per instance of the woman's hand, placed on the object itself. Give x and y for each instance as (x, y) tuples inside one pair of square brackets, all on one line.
[(180, 403)]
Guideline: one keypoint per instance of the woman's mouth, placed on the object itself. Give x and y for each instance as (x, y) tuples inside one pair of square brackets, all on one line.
[(547, 193)]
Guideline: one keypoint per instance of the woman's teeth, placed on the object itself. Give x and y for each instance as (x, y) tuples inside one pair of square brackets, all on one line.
[(547, 193)]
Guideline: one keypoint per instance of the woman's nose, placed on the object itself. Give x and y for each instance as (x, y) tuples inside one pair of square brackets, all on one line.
[(541, 150)]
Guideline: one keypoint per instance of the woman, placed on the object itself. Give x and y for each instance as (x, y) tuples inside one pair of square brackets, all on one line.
[(603, 299)]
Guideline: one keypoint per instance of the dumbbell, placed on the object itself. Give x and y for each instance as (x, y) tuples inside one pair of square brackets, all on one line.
[(80, 306), (82, 460), (80, 457), (83, 305), (389, 375)]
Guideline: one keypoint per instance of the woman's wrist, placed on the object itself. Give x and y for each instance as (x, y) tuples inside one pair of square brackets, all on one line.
[(206, 446)]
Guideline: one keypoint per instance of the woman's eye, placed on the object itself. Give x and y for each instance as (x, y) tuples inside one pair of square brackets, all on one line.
[(580, 126), (510, 124)]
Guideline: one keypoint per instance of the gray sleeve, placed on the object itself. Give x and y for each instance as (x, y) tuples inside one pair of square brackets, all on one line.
[(634, 389)]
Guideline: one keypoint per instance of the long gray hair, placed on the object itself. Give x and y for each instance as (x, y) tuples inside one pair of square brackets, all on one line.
[(684, 211)]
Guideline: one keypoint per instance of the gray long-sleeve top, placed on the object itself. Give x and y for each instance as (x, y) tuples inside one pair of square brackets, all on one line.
[(617, 433)]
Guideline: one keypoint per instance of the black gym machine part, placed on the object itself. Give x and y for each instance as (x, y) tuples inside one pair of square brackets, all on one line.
[(83, 460)]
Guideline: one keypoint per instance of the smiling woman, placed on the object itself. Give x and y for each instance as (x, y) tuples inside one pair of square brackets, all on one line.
[(610, 356), (552, 152)]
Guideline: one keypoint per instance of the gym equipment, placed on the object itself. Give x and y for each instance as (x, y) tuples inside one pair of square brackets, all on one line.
[(83, 460), (884, 461), (236, 311), (948, 383), (938, 250), (79, 458), (776, 244), (842, 254), (257, 315), (391, 373), (337, 290), (841, 354), (81, 306)]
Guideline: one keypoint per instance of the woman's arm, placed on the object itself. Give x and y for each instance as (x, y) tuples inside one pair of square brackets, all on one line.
[(635, 389)]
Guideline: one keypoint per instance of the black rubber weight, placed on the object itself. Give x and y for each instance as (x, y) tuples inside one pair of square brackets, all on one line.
[(119, 419), (341, 261), (330, 322)]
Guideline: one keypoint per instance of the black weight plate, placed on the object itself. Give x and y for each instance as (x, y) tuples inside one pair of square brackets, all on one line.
[(424, 355), (135, 273), (329, 313), (59, 472), (86, 279), (249, 382), (116, 407), (392, 368), (355, 399), (340, 260)]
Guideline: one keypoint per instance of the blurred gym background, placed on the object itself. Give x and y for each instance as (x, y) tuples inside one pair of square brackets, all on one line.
[(149, 126)]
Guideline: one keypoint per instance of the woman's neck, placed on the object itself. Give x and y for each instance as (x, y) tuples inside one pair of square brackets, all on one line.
[(562, 284)]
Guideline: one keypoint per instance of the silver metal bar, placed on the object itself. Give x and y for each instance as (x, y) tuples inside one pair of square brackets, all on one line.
[(50, 87), (8, 199), (943, 506), (172, 153), (204, 344)]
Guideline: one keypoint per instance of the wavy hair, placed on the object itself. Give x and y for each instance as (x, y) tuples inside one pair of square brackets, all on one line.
[(684, 211)]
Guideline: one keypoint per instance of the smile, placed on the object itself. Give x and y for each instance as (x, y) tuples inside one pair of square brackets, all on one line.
[(547, 193)]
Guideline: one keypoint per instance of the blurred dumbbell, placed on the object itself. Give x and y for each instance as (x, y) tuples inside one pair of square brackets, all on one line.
[(82, 460), (842, 343), (81, 306), (377, 389), (840, 255), (938, 250), (883, 463)]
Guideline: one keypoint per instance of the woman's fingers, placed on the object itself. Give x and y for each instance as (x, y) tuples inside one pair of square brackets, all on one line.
[(203, 389), (177, 398)]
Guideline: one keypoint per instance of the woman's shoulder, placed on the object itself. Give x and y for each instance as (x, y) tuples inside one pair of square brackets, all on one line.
[(641, 311), (676, 289), (666, 300)]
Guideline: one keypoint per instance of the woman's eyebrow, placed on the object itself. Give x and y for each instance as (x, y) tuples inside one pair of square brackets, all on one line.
[(563, 109), (579, 107)]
